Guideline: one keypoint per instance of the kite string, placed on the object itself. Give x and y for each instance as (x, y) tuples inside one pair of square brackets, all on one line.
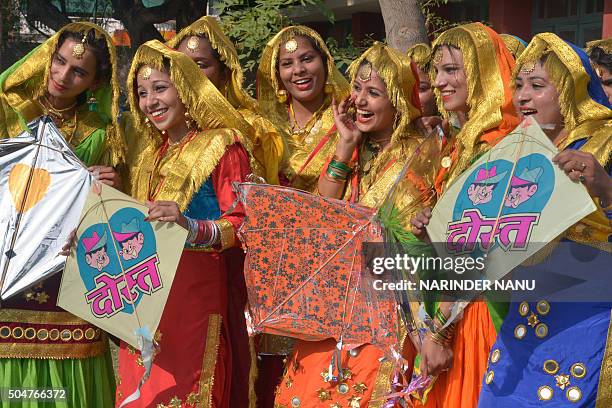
[(301, 285), (501, 206)]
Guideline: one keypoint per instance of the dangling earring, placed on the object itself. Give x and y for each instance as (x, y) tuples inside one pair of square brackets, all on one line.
[(328, 88), (189, 120), (147, 123), (281, 95), (92, 104)]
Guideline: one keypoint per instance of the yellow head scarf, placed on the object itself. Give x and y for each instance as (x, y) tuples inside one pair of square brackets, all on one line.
[(583, 116), (488, 67), (267, 80), (400, 80), (220, 125), (209, 28), (605, 45), (514, 45), (421, 55), (203, 101), (25, 83)]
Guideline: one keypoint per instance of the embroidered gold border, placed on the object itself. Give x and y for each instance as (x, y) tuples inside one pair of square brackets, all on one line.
[(39, 317), (53, 351), (382, 384), (211, 352), (604, 391)]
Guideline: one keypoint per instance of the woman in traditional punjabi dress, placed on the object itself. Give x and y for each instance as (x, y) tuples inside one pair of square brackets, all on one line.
[(205, 43), (296, 81), (559, 354), (600, 53), (184, 175), (473, 71), (70, 77), (420, 54), (377, 139), (515, 45)]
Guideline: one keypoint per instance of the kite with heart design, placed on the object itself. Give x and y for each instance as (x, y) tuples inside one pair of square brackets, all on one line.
[(44, 186)]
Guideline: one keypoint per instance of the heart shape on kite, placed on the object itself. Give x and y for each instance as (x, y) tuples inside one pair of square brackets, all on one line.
[(25, 197)]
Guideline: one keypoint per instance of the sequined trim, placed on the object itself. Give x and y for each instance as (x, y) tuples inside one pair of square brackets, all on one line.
[(382, 385), (48, 335), (604, 391), (207, 377)]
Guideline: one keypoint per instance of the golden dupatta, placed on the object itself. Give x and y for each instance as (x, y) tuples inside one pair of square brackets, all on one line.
[(25, 82), (300, 165)]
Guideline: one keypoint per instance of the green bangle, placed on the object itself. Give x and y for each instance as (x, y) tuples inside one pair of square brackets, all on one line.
[(335, 175), (340, 166)]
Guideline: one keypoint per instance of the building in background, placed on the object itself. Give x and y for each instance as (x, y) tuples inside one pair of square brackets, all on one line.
[(578, 21)]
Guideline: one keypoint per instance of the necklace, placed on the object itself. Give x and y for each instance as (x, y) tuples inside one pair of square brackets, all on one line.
[(58, 115), (303, 131)]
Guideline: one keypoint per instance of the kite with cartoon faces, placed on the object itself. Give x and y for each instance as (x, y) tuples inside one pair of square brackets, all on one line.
[(95, 251), (481, 189), (523, 187), (130, 239)]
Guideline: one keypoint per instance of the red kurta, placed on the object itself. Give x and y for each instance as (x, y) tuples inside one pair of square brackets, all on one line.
[(194, 363)]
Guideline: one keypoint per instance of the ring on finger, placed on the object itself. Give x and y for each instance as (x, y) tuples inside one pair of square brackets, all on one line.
[(581, 178)]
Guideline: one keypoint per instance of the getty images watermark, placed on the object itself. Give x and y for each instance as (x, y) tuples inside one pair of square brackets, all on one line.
[(452, 279)]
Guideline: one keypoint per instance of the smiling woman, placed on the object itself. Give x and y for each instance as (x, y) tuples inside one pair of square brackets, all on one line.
[(296, 81), (192, 154), (376, 139), (70, 77)]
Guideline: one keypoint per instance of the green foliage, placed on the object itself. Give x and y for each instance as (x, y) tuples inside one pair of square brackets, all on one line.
[(251, 24), (343, 56)]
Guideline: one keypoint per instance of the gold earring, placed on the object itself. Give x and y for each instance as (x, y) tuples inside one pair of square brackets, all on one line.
[(281, 95), (189, 121), (328, 88), (147, 123)]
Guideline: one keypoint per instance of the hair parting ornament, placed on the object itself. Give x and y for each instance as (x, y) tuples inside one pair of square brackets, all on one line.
[(365, 73), (291, 46), (78, 50), (145, 72), (528, 67), (193, 43), (437, 58)]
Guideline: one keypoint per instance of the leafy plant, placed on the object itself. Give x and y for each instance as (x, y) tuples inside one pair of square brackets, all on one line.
[(343, 56)]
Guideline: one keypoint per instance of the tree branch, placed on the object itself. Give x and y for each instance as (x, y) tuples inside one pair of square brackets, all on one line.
[(44, 12)]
